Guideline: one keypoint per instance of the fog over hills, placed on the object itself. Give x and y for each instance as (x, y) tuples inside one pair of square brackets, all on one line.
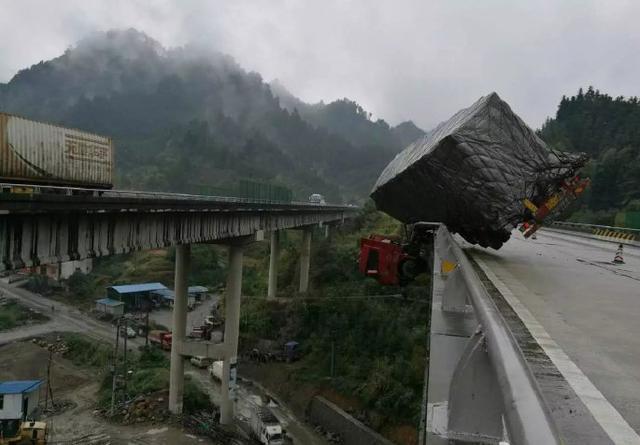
[(192, 120)]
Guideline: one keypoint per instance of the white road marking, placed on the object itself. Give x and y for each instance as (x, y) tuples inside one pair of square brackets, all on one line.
[(605, 414)]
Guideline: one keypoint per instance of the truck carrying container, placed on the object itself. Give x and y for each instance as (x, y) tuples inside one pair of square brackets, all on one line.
[(482, 172), (39, 153)]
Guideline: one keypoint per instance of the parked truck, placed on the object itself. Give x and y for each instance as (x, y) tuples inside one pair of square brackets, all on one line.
[(161, 338), (265, 426), (38, 153)]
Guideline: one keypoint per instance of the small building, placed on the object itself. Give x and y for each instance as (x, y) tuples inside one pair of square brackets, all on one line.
[(198, 292), (19, 399), (111, 307), (134, 296), (166, 297)]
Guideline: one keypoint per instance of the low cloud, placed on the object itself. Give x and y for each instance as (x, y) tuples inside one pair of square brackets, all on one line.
[(401, 60)]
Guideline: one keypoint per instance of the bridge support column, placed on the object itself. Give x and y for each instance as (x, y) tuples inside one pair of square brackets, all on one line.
[(305, 259), (176, 376), (273, 264), (231, 332)]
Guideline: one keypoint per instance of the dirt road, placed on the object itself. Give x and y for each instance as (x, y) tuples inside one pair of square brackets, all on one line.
[(66, 318), (63, 318)]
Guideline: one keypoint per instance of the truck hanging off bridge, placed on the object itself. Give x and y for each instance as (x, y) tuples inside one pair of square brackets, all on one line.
[(482, 173)]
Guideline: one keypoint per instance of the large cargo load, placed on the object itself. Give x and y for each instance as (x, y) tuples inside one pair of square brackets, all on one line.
[(474, 173), (38, 153)]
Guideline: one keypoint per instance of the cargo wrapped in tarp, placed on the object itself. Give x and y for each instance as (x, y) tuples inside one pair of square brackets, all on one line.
[(473, 173)]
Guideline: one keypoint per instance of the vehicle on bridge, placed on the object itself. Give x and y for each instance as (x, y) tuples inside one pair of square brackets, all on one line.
[(482, 173), (38, 153), (317, 198)]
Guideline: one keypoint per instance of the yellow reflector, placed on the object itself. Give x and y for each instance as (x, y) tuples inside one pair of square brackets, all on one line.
[(531, 206), (447, 266)]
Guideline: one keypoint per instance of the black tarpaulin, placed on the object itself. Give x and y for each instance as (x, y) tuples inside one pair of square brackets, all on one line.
[(473, 173)]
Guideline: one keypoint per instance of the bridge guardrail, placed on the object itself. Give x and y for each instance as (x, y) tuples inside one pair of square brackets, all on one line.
[(491, 359), (139, 194), (609, 233)]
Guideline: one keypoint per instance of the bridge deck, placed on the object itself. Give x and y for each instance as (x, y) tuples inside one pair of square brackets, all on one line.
[(584, 311)]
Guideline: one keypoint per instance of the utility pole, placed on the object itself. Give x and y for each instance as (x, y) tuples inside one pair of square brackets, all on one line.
[(126, 336), (146, 331), (114, 369), (49, 390), (333, 357)]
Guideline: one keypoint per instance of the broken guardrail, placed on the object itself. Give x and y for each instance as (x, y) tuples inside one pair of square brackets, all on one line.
[(481, 389)]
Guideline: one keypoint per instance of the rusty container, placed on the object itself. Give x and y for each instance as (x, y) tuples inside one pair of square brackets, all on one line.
[(34, 152)]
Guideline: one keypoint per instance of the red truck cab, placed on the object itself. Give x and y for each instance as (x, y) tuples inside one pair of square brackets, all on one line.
[(380, 258)]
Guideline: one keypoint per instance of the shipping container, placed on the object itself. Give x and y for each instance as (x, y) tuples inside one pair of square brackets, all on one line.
[(39, 153)]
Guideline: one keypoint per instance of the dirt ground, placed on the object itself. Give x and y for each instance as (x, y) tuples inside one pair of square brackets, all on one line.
[(78, 424)]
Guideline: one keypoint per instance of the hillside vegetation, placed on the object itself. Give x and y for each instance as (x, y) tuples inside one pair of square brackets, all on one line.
[(608, 129), (192, 120)]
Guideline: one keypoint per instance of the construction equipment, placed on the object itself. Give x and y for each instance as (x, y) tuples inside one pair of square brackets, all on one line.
[(29, 433), (557, 201), (392, 261)]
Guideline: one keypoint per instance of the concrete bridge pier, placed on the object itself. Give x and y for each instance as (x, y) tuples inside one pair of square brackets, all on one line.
[(231, 333), (176, 376), (305, 259), (273, 264)]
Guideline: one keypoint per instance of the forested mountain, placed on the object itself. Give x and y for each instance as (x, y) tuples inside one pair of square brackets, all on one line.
[(193, 120), (608, 129)]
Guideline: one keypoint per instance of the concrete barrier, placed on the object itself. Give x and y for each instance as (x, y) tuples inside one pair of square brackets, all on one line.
[(332, 418)]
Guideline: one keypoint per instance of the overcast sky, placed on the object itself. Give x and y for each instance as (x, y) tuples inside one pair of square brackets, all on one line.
[(401, 59)]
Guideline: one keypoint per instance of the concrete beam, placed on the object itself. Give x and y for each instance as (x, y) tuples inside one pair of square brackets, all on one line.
[(273, 264), (305, 259), (216, 351), (231, 333), (176, 376), (42, 238)]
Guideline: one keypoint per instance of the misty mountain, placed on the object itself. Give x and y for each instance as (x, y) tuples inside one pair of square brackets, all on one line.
[(192, 120), (349, 120)]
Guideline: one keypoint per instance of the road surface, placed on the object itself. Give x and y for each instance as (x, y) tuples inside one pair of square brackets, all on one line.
[(64, 318), (585, 312)]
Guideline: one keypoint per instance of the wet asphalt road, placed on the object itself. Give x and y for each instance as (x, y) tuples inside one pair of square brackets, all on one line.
[(589, 307)]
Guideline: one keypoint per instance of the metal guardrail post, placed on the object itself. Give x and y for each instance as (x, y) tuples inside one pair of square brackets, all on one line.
[(491, 382)]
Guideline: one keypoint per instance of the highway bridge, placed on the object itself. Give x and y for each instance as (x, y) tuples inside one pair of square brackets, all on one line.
[(536, 343), (45, 225), (566, 367)]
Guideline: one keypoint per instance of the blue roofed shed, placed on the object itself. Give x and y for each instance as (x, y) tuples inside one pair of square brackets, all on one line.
[(198, 292), (19, 399), (167, 296), (134, 296), (109, 306)]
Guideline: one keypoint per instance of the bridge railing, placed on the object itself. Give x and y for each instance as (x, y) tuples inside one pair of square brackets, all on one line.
[(490, 386), (609, 233), (140, 194)]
